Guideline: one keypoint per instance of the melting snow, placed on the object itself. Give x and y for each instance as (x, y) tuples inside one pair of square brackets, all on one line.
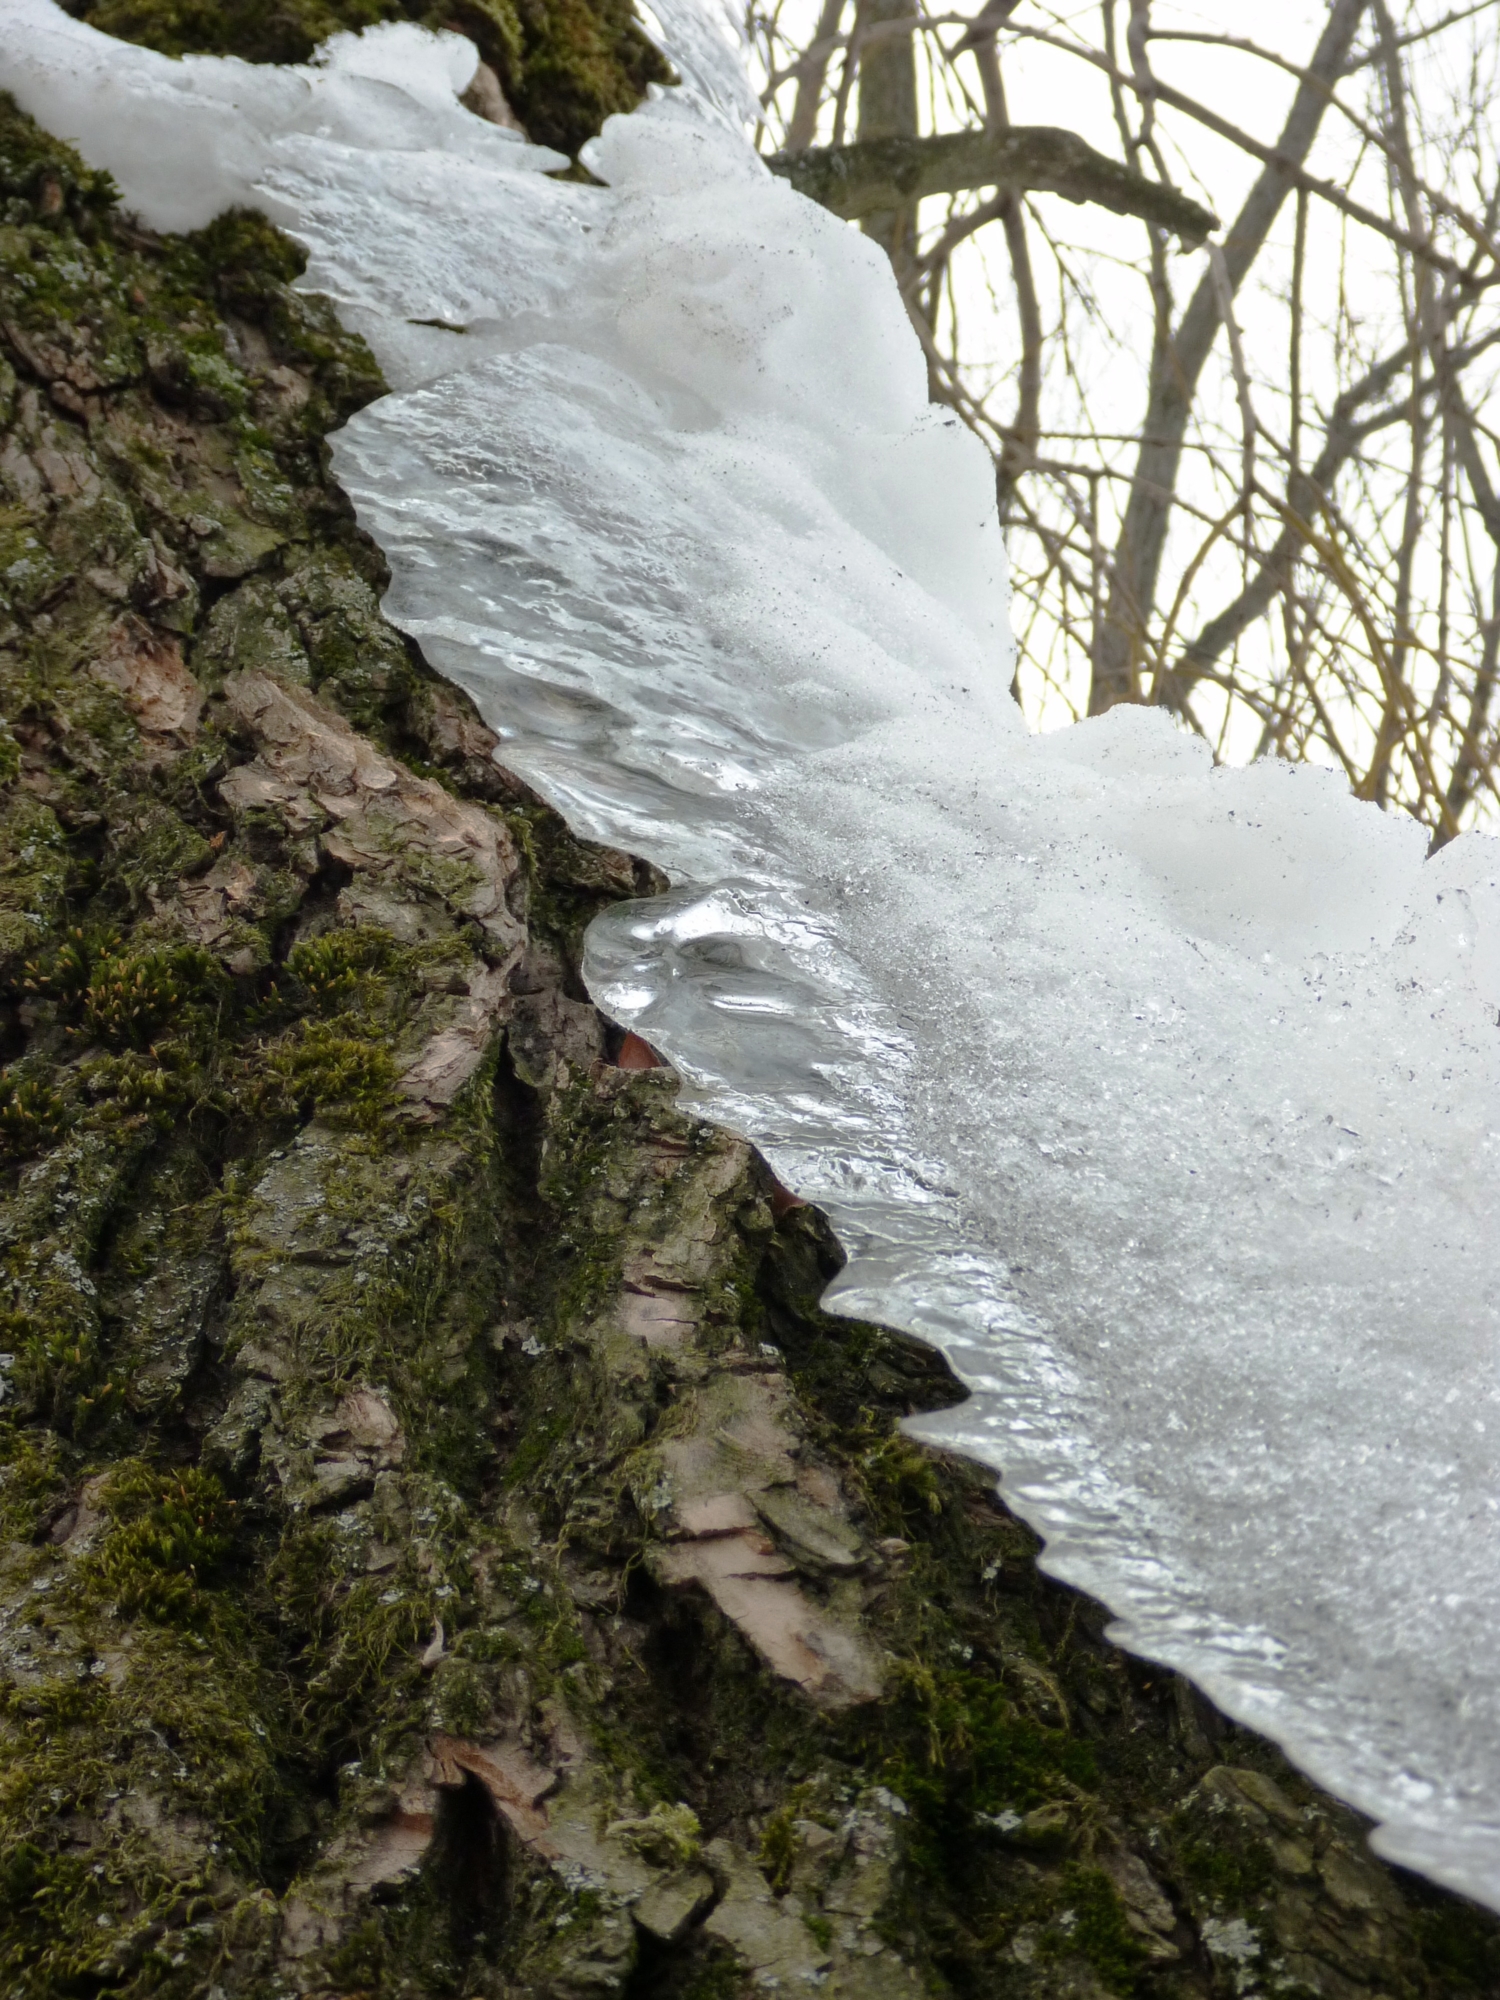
[(1163, 1098)]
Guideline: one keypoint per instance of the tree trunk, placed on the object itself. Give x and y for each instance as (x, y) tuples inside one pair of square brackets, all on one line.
[(888, 110), (448, 1552)]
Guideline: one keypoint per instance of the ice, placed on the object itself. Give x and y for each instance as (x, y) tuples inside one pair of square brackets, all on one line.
[(1163, 1098), (702, 37)]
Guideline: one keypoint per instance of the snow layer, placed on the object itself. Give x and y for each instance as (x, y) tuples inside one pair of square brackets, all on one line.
[(1163, 1098)]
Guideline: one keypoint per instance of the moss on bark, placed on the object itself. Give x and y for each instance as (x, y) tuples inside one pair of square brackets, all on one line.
[(448, 1552), (564, 65)]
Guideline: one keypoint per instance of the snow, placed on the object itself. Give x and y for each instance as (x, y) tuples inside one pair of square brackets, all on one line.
[(1162, 1098)]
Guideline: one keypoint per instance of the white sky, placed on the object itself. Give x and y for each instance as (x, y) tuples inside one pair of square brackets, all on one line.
[(1348, 270)]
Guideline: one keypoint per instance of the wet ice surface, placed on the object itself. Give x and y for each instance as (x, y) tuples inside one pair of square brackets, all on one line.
[(1163, 1099)]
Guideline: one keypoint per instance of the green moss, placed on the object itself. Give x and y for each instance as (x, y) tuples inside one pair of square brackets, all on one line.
[(41, 176), (35, 867), (463, 1698), (338, 967), (44, 287), (1221, 1856), (159, 1085), (357, 1639), (565, 65), (820, 1930), (582, 61), (251, 629), (131, 996), (281, 31), (62, 972), (179, 1741), (721, 1977), (151, 1726), (669, 1835), (779, 1848), (29, 575), (155, 846), (52, 1332), (251, 268), (32, 1115), (330, 1068), (1094, 1927), (33, 1475), (954, 1745), (900, 1481), (172, 1531), (355, 659)]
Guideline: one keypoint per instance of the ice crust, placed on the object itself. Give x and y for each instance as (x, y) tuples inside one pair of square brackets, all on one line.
[(1162, 1098)]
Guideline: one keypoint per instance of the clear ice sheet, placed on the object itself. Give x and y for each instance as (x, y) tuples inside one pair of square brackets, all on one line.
[(1163, 1099)]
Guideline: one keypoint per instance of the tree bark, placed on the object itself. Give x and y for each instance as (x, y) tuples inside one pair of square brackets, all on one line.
[(888, 112)]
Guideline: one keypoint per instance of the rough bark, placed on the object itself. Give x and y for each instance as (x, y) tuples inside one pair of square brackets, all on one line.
[(448, 1552), (880, 174)]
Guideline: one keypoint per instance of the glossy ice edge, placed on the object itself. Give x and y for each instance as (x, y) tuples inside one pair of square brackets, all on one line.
[(800, 1076), (778, 1038)]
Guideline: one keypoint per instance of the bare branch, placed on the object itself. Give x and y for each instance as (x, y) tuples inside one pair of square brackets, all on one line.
[(873, 175), (1309, 492), (811, 72), (1440, 203), (1224, 299), (1142, 538), (1472, 764), (1275, 157), (1335, 543)]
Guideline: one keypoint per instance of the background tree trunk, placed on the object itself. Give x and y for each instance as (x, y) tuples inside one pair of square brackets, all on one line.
[(888, 110)]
